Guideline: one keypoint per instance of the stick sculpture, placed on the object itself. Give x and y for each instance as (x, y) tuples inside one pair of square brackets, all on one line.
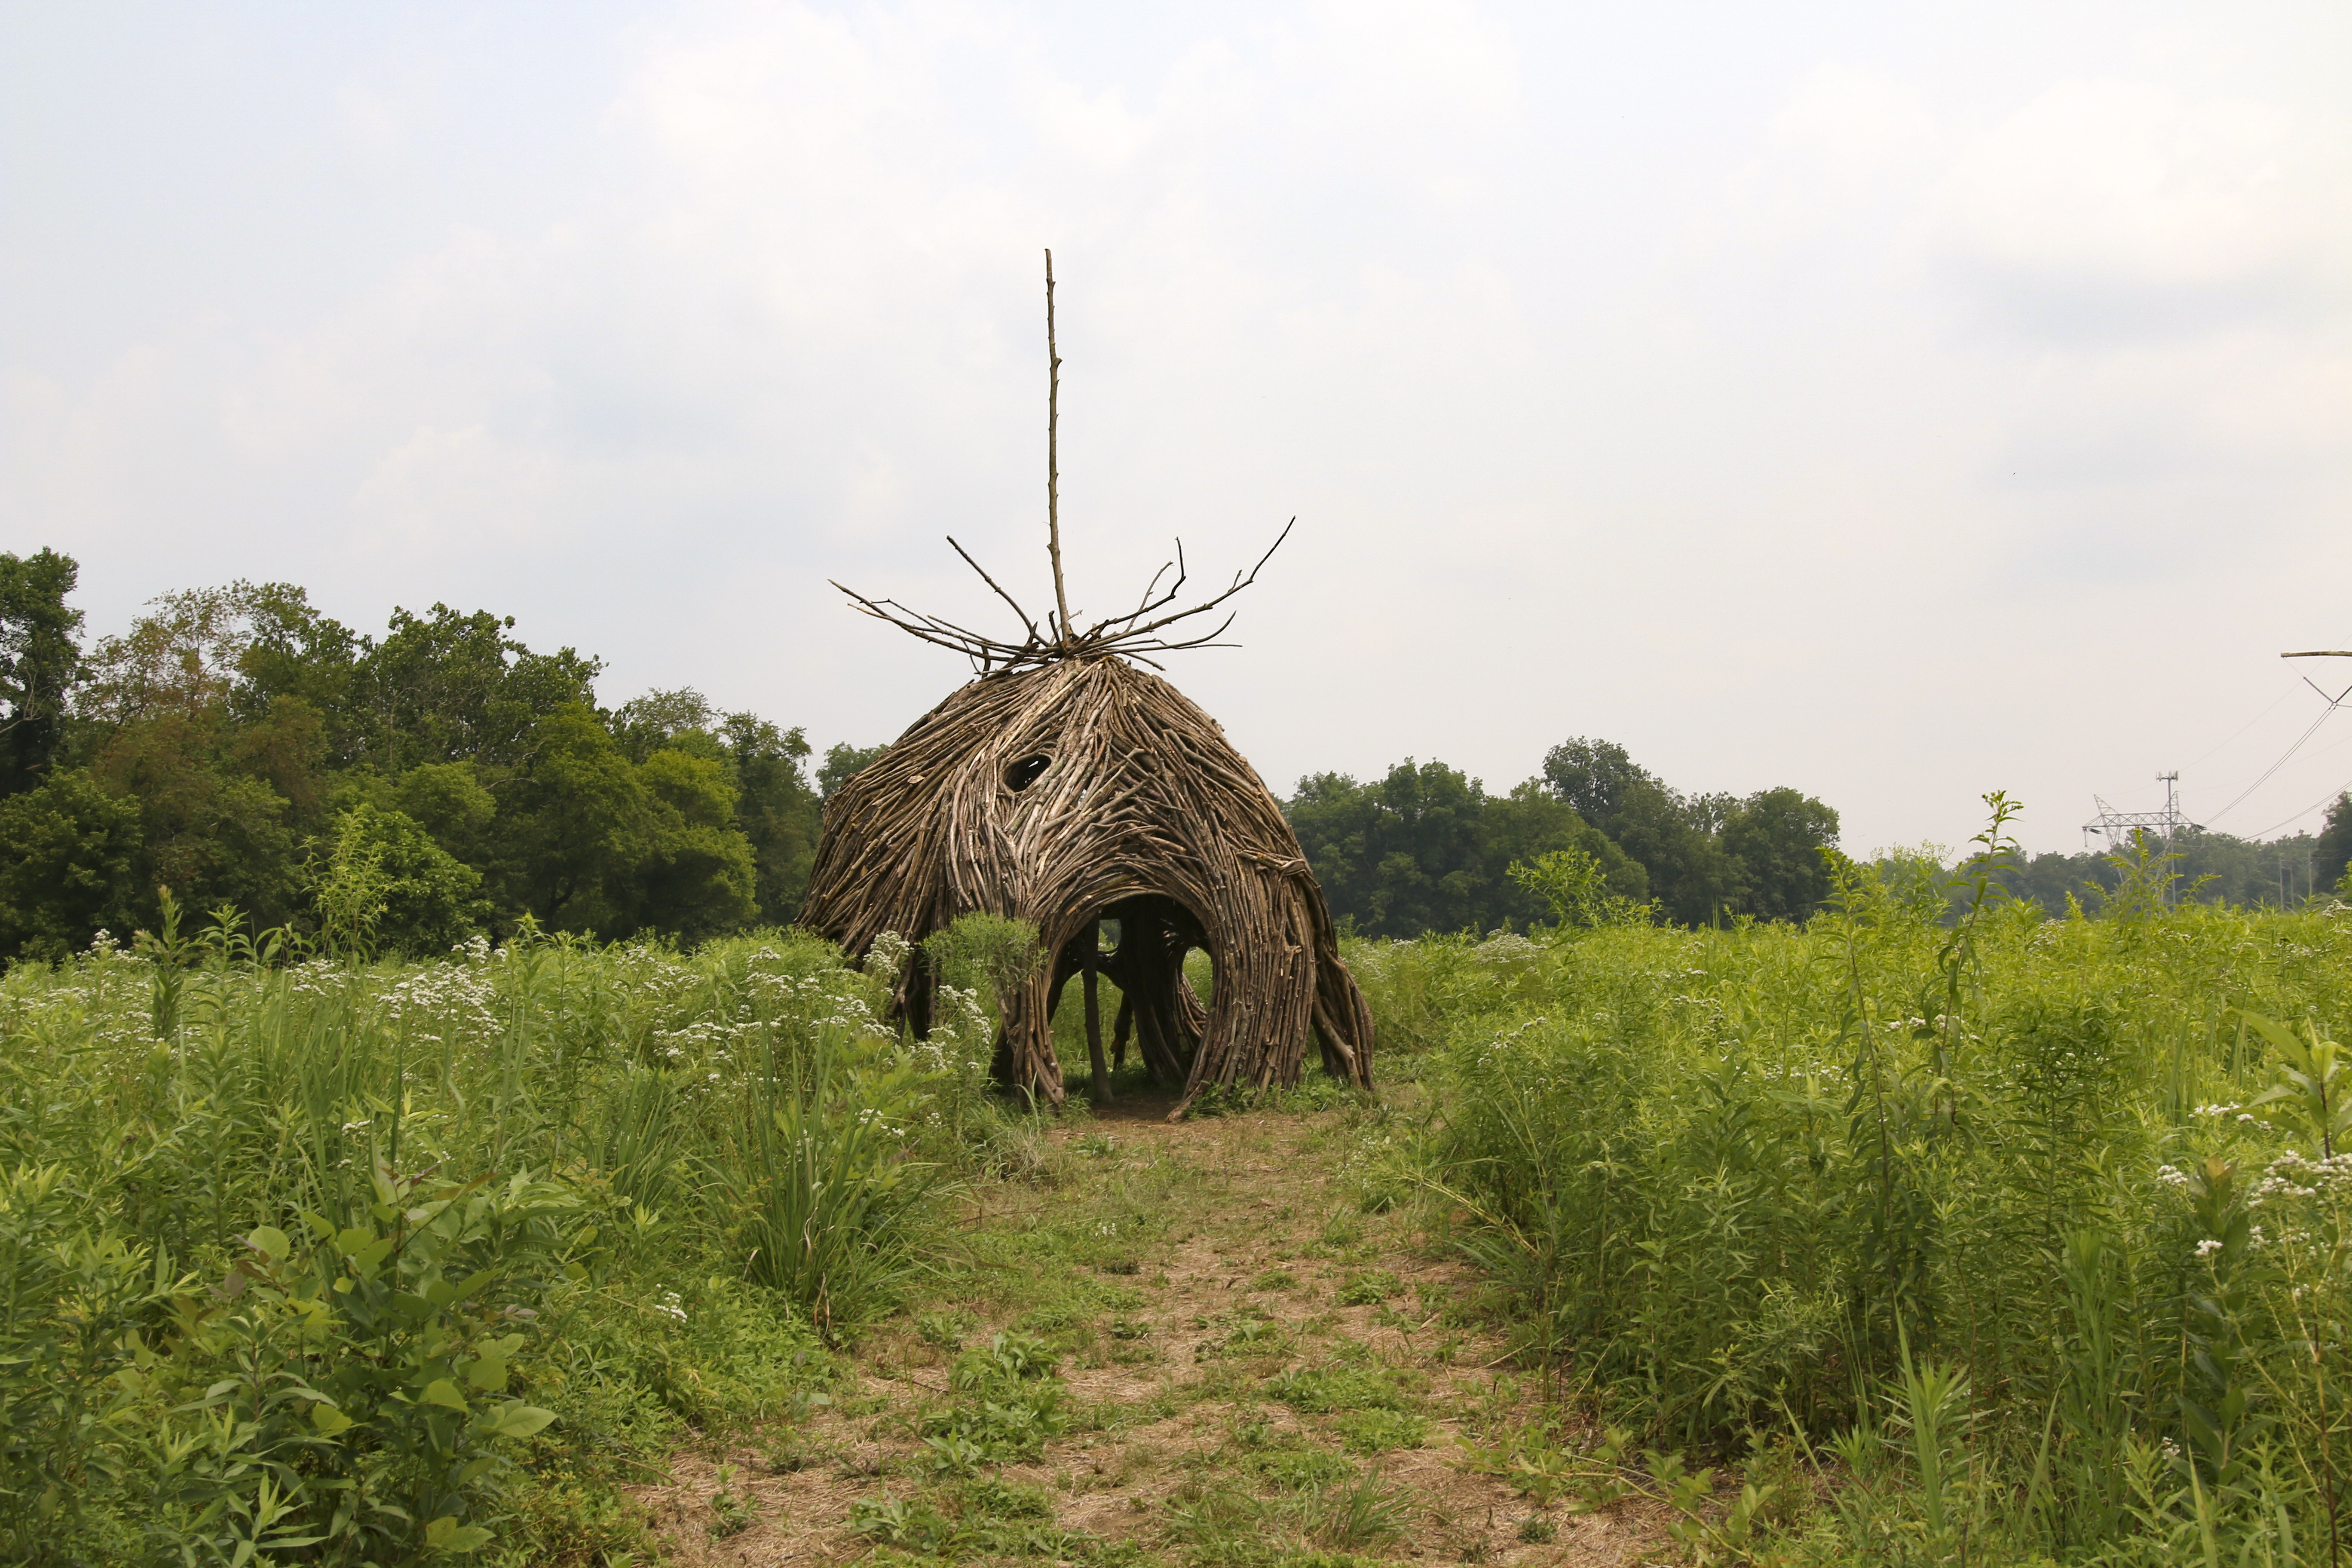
[(1068, 788)]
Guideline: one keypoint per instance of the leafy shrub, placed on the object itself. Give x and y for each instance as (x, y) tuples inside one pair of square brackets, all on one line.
[(986, 954), (383, 883), (349, 1389), (72, 1289), (183, 1123)]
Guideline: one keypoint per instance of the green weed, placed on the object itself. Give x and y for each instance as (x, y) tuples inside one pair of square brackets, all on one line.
[(1329, 1390), (1380, 1431), (1007, 1405), (820, 1195)]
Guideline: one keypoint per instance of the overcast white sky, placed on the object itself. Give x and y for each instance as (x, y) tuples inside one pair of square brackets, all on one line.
[(1898, 402)]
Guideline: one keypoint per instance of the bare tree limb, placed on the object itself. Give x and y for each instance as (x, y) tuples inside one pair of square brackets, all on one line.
[(1053, 457), (1000, 594)]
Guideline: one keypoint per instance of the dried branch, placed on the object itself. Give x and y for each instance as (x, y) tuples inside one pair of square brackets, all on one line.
[(1127, 637), (1053, 457), (1000, 594)]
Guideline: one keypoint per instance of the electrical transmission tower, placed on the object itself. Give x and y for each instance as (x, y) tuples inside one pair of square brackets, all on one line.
[(2163, 825)]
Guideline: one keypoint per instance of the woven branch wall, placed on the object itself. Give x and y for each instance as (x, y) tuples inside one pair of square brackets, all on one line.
[(1141, 811)]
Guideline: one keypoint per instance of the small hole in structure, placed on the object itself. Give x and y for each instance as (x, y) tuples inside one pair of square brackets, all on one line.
[(1025, 772)]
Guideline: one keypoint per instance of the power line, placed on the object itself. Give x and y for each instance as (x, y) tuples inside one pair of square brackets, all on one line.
[(2333, 704), (2284, 758), (2340, 789), (2247, 725)]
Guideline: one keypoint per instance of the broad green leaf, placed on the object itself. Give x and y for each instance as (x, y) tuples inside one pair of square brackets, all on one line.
[(446, 1535), (513, 1419), (473, 1282), (330, 1420), (270, 1242), (441, 1391), (488, 1373)]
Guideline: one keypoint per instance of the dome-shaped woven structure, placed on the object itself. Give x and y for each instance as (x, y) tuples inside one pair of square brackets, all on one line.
[(1080, 790)]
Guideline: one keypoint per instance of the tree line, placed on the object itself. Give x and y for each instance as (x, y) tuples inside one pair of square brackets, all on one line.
[(413, 787), (2210, 867), (438, 779), (1427, 848)]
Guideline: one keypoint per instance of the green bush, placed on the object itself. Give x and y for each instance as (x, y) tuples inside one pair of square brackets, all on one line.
[(368, 1371), (385, 884)]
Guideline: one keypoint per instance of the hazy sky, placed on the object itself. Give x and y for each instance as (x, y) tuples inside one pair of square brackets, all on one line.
[(1898, 402)]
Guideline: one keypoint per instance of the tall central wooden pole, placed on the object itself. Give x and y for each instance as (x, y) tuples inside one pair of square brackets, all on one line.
[(1054, 459)]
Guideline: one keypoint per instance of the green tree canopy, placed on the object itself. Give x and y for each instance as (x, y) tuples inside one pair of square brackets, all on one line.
[(449, 687), (1706, 855), (844, 762), (1426, 848), (2332, 856), (40, 657), (249, 738), (67, 848), (776, 807), (1776, 838)]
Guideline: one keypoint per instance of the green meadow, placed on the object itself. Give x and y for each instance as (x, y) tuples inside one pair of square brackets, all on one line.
[(1931, 1229)]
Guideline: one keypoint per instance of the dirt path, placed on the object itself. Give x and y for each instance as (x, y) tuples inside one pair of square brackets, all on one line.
[(1255, 1370)]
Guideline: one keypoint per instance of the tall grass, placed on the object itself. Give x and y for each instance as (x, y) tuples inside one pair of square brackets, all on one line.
[(2039, 1223), (316, 1261), (828, 1208)]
